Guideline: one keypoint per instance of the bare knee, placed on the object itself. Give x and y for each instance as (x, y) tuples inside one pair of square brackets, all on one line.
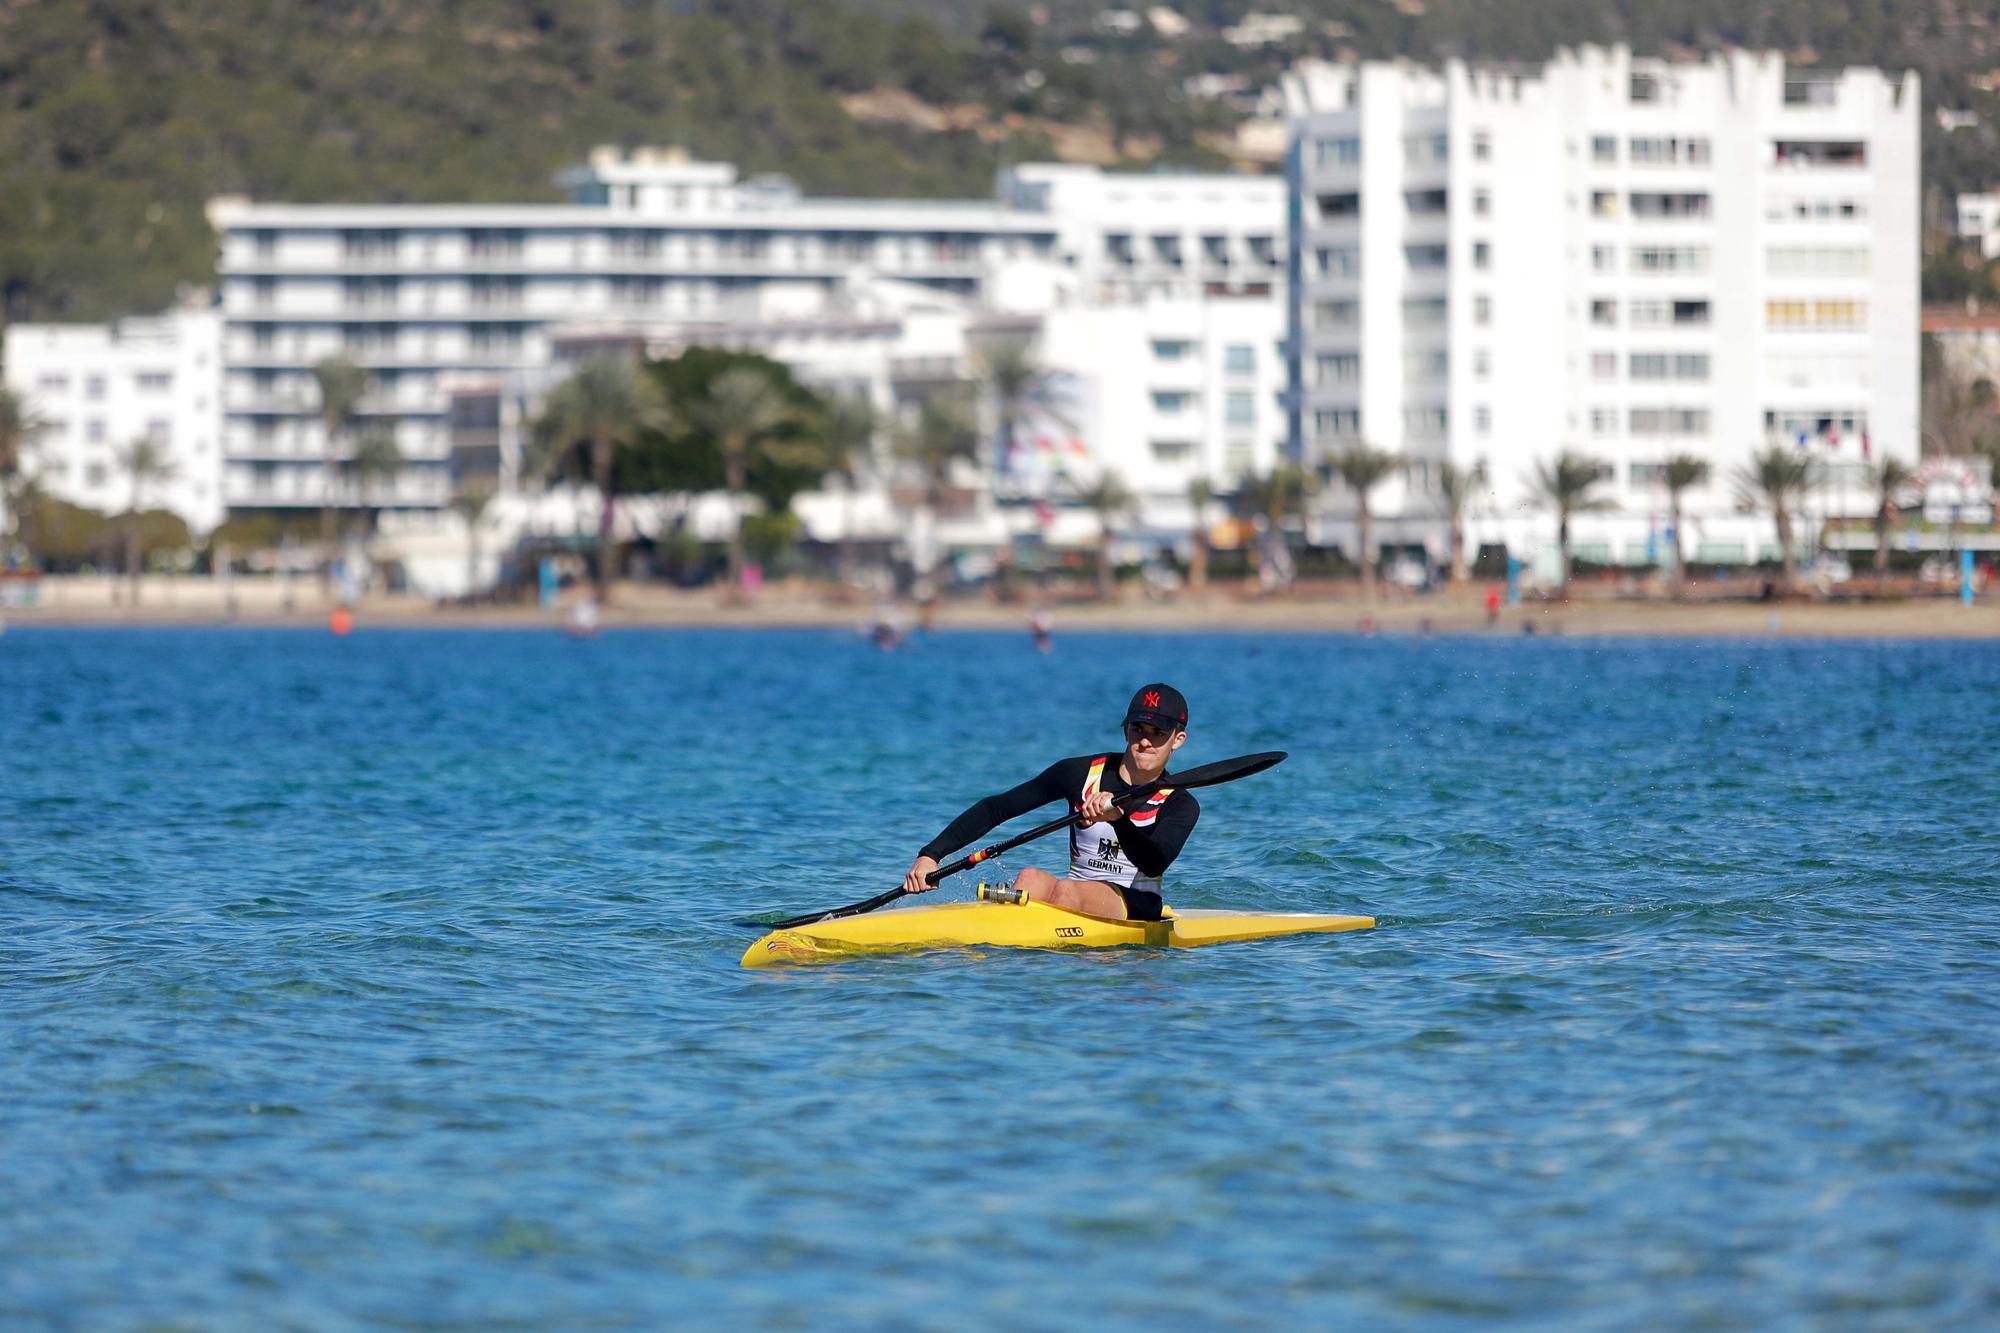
[(1037, 883)]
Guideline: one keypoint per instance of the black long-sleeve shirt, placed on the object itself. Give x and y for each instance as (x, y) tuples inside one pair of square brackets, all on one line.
[(1151, 846)]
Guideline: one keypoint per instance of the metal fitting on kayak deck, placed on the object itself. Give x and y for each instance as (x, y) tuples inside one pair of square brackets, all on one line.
[(1002, 893)]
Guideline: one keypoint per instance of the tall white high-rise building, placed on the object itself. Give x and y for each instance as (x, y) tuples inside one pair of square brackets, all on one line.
[(1630, 258), (96, 388)]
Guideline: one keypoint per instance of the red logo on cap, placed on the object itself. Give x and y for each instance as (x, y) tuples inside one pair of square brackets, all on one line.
[(1152, 698)]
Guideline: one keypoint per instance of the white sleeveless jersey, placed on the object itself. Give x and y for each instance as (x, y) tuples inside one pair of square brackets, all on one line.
[(1094, 853)]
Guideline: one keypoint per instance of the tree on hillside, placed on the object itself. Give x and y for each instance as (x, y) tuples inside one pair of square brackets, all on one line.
[(1892, 477), (1684, 473), (1778, 479), (1362, 469), (145, 463), (1458, 485), (586, 422), (1565, 486), (341, 385)]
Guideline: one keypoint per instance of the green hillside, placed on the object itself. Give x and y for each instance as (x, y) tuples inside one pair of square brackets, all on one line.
[(119, 118)]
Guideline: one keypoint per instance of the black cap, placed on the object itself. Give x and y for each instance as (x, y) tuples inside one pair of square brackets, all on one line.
[(1160, 705)]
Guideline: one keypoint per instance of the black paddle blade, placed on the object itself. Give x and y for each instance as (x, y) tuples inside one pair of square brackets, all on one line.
[(1224, 770)]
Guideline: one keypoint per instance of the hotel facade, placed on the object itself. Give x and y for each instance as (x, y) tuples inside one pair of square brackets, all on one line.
[(1630, 258)]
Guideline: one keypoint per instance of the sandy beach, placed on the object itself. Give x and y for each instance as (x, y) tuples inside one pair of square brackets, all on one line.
[(1591, 610)]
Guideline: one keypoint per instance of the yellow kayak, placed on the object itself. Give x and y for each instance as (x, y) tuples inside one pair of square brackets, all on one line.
[(1025, 926)]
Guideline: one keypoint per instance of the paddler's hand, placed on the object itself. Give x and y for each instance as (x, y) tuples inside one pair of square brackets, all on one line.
[(914, 882), (1100, 808)]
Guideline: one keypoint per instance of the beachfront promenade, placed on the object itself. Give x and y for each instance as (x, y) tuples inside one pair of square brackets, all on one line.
[(1591, 609)]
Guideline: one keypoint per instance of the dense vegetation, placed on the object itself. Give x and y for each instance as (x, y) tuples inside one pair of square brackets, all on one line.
[(119, 118)]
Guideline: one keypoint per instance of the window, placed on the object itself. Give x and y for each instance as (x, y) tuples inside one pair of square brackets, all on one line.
[(1603, 258), (1428, 364), (1167, 249), (1838, 153), (1239, 409), (95, 474), (158, 429), (1660, 206), (1337, 262), (1642, 475), (50, 382), (1215, 251), (1482, 363), (1603, 421), (1817, 261), (1669, 421), (1334, 207), (1172, 451), (1422, 150), (1424, 311), (1803, 426), (1644, 87), (1263, 250), (1335, 422), (1336, 314), (1482, 420), (1697, 153), (1171, 401), (1118, 248), (1482, 146), (1482, 203), (1336, 368), (1684, 366), (1604, 313), (1482, 310), (1800, 209), (1344, 152), (1670, 259), (1424, 420), (93, 388), (1604, 365), (1603, 204), (1426, 203), (1482, 254), (1816, 315), (1239, 359), (1425, 258), (1166, 349), (93, 430), (1603, 148)]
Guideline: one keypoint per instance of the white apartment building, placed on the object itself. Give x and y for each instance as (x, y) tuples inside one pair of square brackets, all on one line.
[(1628, 257), (1979, 221), (419, 294), (1129, 236), (96, 388)]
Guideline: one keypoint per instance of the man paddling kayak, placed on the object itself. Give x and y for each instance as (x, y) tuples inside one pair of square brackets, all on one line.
[(1114, 865)]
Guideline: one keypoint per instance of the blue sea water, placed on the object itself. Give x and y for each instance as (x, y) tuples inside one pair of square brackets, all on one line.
[(393, 982)]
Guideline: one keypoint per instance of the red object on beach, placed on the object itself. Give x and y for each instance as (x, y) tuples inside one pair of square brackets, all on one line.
[(341, 621)]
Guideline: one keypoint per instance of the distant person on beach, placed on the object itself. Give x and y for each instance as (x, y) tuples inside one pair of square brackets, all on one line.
[(1492, 607), (1041, 627), (1115, 863)]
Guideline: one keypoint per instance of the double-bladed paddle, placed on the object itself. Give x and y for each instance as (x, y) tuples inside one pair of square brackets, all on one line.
[(1207, 775)]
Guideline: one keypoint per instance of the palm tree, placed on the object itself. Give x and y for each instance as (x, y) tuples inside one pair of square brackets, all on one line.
[(1363, 469), (944, 434), (376, 458), (144, 461), (1458, 485), (847, 426), (1565, 486), (1200, 493), (1892, 477), (1777, 478), (606, 404), (341, 385), (1110, 499), (743, 406), (1018, 381), (1684, 472), (1275, 497), (470, 503)]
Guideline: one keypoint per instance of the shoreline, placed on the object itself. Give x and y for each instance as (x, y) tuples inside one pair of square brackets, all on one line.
[(1593, 611)]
